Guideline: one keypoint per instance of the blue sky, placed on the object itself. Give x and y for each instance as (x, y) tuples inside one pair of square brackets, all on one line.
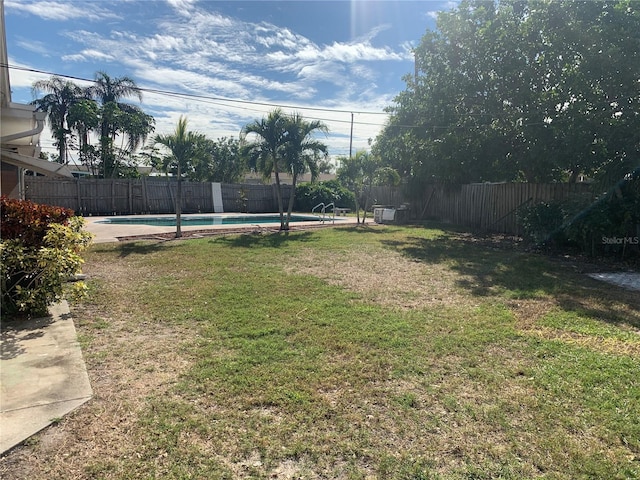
[(236, 60)]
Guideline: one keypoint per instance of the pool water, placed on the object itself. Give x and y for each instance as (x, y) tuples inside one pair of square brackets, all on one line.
[(206, 220)]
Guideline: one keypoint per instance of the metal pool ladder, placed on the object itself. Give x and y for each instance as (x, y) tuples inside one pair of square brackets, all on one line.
[(323, 212)]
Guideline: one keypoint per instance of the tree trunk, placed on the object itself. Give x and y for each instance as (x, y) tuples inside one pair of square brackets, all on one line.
[(573, 178), (279, 197), (291, 200), (179, 204)]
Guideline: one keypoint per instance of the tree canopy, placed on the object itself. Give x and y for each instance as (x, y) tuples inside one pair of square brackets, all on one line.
[(533, 90), (283, 144), (77, 113)]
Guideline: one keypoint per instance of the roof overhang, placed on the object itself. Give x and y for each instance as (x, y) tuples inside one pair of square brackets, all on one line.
[(37, 165)]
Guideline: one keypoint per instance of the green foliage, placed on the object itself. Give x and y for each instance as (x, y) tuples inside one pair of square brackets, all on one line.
[(308, 195), (610, 224), (221, 162), (74, 112), (284, 144), (539, 221), (521, 90), (361, 172), (39, 251)]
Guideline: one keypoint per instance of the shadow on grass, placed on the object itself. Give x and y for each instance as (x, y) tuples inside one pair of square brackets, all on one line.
[(131, 248), (257, 240), (371, 228), (499, 270)]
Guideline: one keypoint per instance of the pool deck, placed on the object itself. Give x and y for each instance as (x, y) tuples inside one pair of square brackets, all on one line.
[(106, 233)]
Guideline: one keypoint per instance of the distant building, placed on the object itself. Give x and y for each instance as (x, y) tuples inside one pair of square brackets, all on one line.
[(285, 178), (20, 127)]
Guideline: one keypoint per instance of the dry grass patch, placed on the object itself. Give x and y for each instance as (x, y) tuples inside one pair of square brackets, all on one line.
[(383, 276)]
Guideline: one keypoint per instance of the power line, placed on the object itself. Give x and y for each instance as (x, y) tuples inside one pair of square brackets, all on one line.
[(208, 98)]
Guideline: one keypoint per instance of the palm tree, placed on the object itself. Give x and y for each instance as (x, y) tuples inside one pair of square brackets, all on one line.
[(185, 148), (84, 117), (60, 96), (360, 173), (284, 144), (302, 152), (265, 154), (109, 91)]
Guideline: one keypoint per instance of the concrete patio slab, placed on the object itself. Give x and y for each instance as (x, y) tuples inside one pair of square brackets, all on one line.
[(106, 233), (42, 375), (628, 280)]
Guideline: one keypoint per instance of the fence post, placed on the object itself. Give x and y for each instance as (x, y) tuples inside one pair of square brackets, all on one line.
[(80, 209), (113, 196), (145, 200)]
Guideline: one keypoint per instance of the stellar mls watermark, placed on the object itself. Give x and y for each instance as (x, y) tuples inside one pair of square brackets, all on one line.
[(620, 240)]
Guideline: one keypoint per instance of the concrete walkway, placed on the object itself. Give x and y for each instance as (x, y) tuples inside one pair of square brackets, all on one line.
[(42, 373)]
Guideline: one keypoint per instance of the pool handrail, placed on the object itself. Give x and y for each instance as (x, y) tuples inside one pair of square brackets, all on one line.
[(324, 211)]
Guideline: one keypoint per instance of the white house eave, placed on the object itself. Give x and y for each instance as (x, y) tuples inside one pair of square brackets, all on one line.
[(37, 165)]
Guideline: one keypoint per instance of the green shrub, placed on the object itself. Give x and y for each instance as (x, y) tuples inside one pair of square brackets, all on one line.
[(39, 253), (606, 225), (611, 224), (540, 222), (308, 195), (27, 221)]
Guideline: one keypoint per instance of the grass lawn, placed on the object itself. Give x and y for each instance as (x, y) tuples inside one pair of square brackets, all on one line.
[(347, 353)]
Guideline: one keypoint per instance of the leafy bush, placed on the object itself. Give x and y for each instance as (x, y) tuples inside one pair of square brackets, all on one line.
[(541, 221), (610, 224), (27, 221), (308, 195), (39, 251)]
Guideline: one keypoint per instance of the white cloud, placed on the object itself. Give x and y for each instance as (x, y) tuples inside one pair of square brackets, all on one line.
[(19, 78), (34, 46), (88, 55), (61, 11), (323, 71)]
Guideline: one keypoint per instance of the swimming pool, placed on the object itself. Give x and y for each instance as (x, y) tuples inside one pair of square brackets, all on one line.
[(207, 220)]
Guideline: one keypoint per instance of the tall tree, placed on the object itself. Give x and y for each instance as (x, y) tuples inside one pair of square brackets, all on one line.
[(265, 153), (533, 90), (360, 173), (222, 163), (60, 97), (184, 148), (302, 153), (109, 92), (84, 118), (283, 144)]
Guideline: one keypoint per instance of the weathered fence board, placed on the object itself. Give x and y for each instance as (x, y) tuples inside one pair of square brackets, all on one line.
[(490, 207), (148, 196)]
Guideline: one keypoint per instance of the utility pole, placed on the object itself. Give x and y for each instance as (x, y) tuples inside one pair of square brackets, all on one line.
[(351, 137)]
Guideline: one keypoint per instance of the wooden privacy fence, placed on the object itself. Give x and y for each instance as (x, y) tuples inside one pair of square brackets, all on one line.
[(491, 207), (488, 207), (146, 195)]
